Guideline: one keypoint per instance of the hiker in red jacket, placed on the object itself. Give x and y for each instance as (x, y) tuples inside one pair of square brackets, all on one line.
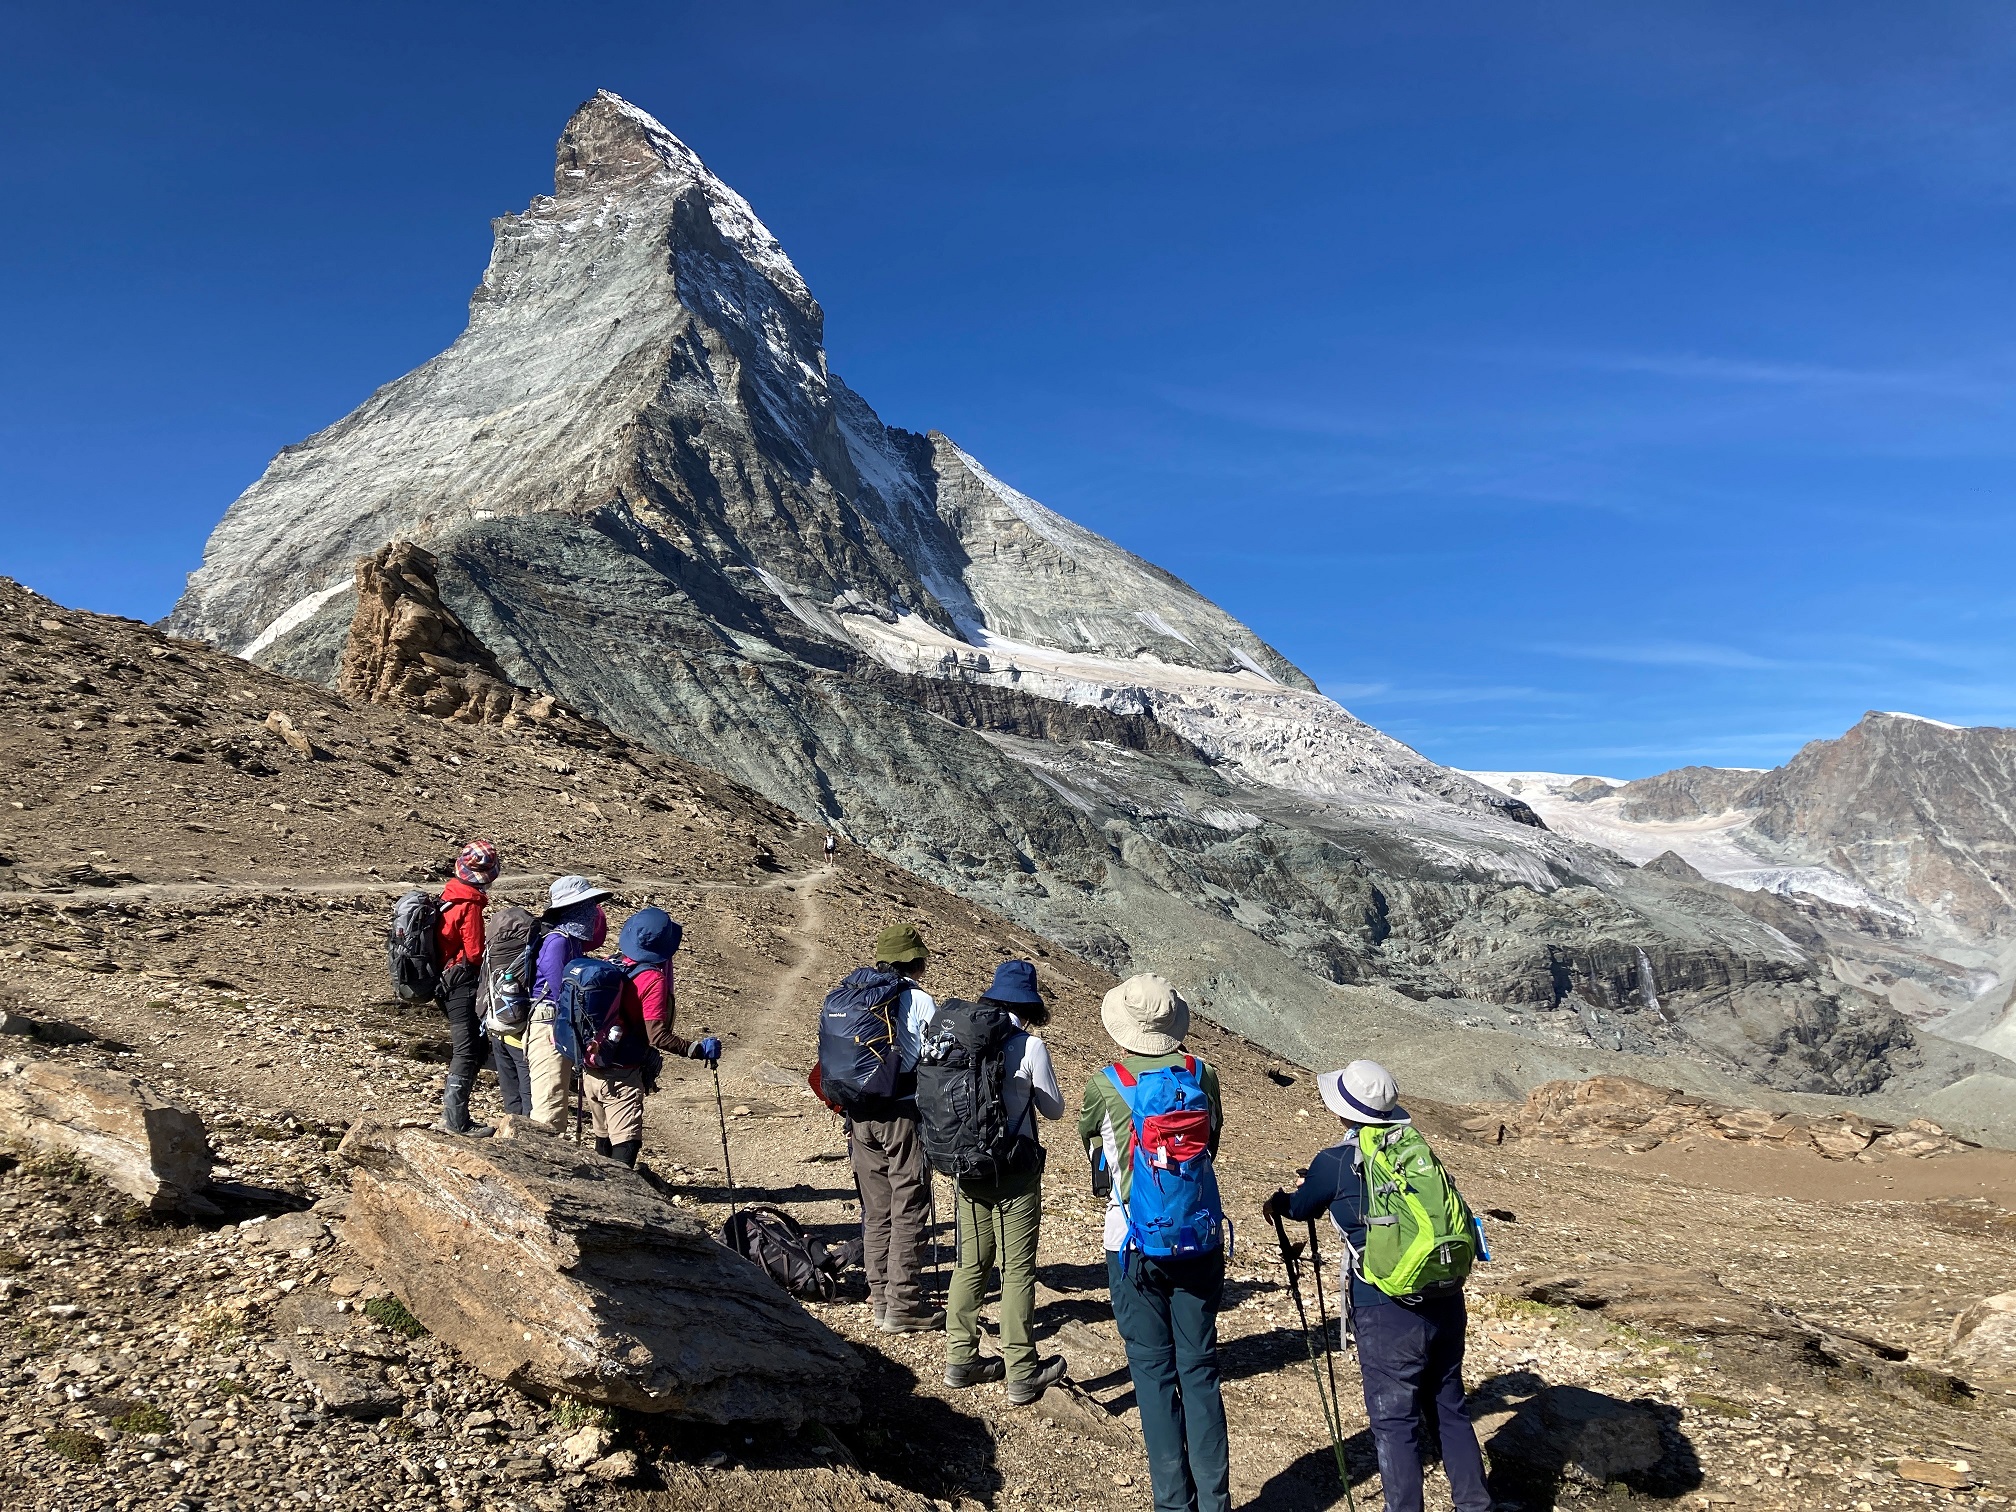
[(461, 942)]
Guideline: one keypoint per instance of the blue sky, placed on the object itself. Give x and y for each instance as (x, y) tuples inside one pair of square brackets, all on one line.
[(1569, 386)]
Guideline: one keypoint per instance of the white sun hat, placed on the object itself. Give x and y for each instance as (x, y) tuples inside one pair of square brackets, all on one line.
[(1364, 1092)]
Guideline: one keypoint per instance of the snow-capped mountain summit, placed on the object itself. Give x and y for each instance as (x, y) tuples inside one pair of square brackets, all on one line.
[(648, 493)]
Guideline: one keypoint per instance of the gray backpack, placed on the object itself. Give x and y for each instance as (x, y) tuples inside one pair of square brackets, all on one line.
[(510, 956)]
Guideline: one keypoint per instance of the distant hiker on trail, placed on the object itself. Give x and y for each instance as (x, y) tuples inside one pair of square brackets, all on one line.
[(1405, 1283), (461, 954), (832, 845), (870, 1029), (1151, 1125), (575, 925), (982, 1079)]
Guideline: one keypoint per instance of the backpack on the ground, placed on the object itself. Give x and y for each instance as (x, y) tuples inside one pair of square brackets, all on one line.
[(860, 1058), (771, 1239), (591, 992), (413, 947), (962, 1074), (1172, 1194), (1420, 1236), (510, 956)]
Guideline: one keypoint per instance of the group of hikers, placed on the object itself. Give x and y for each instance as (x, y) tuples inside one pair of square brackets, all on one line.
[(959, 1087), (563, 1024)]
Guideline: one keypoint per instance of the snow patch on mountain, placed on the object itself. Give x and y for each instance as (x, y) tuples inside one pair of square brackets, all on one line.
[(294, 617), (1722, 847)]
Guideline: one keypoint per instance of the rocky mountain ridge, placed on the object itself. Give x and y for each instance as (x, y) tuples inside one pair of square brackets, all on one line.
[(1892, 848), (647, 493)]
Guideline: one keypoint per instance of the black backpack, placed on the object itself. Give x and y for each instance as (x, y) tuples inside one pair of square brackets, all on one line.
[(962, 1074), (771, 1239), (413, 947)]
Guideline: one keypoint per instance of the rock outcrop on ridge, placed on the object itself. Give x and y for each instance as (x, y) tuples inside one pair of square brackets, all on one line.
[(647, 493), (406, 647)]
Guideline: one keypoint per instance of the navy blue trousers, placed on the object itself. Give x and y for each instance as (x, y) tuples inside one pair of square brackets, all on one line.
[(1411, 1359), (1167, 1312)]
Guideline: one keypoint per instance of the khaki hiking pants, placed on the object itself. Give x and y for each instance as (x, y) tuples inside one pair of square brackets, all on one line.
[(552, 1077), (997, 1225), (895, 1185), (615, 1101)]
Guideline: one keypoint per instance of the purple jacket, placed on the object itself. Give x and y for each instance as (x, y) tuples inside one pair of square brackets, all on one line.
[(556, 952)]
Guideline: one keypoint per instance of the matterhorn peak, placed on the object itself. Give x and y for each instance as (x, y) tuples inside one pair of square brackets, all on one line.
[(608, 143)]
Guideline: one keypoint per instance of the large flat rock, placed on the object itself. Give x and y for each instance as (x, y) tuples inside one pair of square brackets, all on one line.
[(155, 1151), (565, 1274)]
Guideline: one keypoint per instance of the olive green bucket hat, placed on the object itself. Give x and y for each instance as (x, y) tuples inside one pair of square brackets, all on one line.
[(900, 944)]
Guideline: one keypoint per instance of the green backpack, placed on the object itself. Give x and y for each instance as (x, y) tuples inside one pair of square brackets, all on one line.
[(1420, 1236)]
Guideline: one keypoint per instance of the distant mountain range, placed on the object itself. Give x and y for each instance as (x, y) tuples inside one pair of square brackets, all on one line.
[(649, 495), (1890, 853)]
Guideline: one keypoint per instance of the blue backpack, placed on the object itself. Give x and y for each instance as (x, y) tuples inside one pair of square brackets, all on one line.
[(587, 1029), (1173, 1209), (860, 1059)]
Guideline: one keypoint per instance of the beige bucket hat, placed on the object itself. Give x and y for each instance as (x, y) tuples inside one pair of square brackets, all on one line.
[(1145, 1014)]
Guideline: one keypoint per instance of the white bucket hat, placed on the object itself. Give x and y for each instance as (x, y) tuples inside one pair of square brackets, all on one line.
[(567, 891), (1364, 1092), (1145, 1014)]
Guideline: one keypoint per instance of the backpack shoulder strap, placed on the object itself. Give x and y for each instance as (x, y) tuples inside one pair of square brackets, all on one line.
[(1190, 1064), (1122, 1078)]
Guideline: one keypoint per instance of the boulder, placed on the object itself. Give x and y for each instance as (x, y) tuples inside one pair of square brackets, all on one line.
[(1567, 1432), (561, 1273), (1983, 1343), (154, 1151)]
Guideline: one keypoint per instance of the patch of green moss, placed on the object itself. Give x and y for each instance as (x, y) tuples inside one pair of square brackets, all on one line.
[(143, 1417), (1702, 1401), (1937, 1386), (390, 1312), (75, 1444), (570, 1416)]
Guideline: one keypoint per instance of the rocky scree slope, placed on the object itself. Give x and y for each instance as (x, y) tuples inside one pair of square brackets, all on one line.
[(1890, 853), (647, 494)]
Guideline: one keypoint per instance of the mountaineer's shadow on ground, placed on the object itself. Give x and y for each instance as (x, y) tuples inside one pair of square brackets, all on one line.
[(1309, 1484), (1550, 1443), (1546, 1446), (917, 1440)]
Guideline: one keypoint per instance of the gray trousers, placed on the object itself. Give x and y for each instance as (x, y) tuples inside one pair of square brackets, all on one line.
[(895, 1184)]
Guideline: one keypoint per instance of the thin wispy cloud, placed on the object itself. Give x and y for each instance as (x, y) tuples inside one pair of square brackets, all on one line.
[(1671, 654), (1387, 696), (1693, 367)]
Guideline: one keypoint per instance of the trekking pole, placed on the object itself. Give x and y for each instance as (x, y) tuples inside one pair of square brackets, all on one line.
[(1332, 1419), (721, 1115), (1323, 1311)]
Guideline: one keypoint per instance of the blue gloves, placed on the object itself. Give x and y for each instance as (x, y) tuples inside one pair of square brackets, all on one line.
[(708, 1050)]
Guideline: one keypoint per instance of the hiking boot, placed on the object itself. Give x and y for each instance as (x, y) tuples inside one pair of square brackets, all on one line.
[(974, 1372), (469, 1131), (894, 1322), (1048, 1374)]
